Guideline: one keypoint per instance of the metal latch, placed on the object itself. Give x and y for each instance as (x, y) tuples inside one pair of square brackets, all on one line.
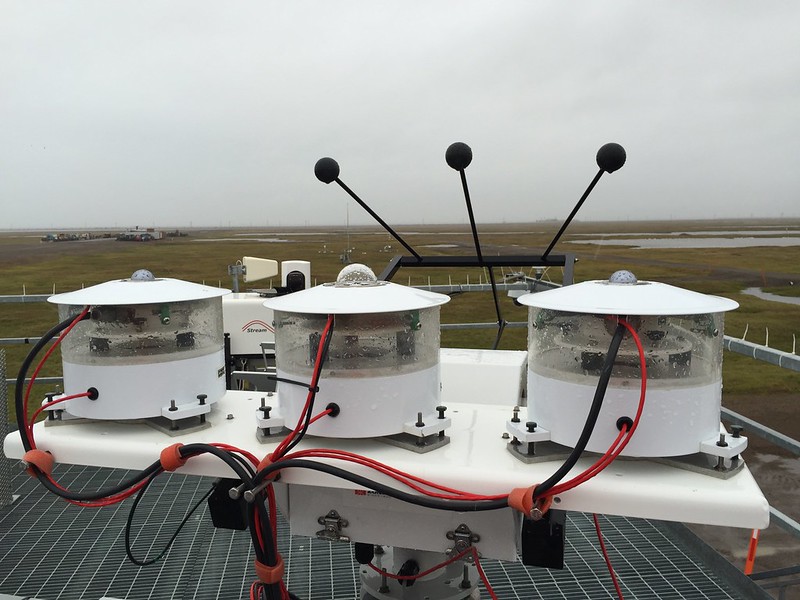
[(333, 524), (463, 538)]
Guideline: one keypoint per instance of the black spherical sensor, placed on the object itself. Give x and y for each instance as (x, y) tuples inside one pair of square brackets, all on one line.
[(458, 156), (611, 157), (326, 170)]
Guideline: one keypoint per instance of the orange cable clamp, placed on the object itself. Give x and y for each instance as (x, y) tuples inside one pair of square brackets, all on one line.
[(40, 459), (267, 574), (171, 458), (521, 499)]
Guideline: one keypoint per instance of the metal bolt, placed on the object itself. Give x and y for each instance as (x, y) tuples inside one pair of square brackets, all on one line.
[(720, 464), (505, 435), (384, 589), (379, 550), (722, 443), (270, 394), (250, 495), (236, 492), (172, 405), (536, 514), (465, 582), (265, 411), (419, 420), (531, 448), (202, 398), (515, 418), (230, 417), (440, 410), (515, 441), (737, 430), (531, 425)]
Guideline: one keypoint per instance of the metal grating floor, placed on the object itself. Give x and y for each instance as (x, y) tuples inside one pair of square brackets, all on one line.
[(52, 550)]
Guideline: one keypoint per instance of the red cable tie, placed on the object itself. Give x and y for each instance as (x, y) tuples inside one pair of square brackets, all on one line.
[(267, 574), (171, 458), (40, 459), (265, 462)]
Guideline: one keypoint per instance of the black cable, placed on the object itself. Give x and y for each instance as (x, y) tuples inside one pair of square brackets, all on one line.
[(326, 343), (152, 470), (245, 463), (228, 458), (19, 386), (424, 501), (591, 418), (129, 523), (267, 553)]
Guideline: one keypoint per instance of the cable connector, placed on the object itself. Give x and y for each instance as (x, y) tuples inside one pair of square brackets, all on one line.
[(521, 499), (171, 458), (267, 574), (40, 459)]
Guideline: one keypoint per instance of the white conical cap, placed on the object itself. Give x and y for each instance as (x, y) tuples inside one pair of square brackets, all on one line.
[(623, 294), (356, 291), (141, 288)]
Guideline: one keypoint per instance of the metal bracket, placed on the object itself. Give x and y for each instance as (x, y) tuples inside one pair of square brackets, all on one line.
[(333, 524), (463, 538)]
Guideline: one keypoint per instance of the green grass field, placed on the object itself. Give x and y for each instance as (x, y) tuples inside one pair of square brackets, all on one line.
[(39, 268)]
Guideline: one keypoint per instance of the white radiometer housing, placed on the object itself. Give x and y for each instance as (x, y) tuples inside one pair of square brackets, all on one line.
[(256, 269), (151, 347), (569, 333), (382, 367)]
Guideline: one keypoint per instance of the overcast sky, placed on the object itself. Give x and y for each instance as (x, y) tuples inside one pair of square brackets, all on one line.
[(214, 113)]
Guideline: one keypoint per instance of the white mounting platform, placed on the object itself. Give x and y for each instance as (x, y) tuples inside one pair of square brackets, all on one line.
[(475, 460)]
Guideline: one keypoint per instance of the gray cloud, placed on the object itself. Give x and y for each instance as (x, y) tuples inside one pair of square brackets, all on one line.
[(210, 113)]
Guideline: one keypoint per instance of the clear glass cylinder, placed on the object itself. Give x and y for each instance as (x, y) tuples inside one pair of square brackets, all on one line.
[(365, 345), (144, 333), (682, 350)]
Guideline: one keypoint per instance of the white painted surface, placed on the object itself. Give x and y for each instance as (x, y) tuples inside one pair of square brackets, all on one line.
[(248, 322), (141, 391), (329, 299), (287, 266), (370, 406), (476, 460), (674, 422), (125, 291), (642, 298), (500, 380)]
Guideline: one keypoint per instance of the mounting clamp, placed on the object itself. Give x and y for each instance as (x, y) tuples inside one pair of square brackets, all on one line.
[(333, 524)]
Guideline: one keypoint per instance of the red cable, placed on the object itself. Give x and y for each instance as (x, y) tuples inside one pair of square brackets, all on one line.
[(620, 442), (28, 428), (248, 455), (47, 406), (281, 449), (605, 556), (471, 550), (400, 476), (327, 411)]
